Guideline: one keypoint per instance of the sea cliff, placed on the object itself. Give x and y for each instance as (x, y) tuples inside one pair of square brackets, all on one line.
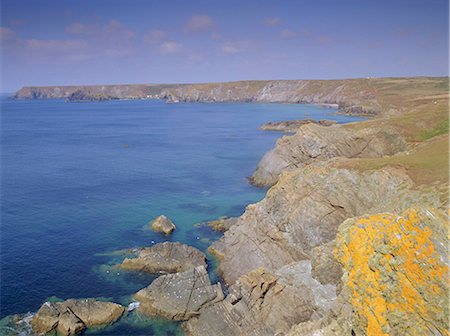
[(350, 239), (353, 96)]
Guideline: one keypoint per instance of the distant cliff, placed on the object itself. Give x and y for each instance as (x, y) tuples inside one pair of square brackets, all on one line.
[(353, 96)]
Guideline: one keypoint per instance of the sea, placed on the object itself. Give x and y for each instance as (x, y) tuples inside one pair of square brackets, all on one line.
[(81, 181)]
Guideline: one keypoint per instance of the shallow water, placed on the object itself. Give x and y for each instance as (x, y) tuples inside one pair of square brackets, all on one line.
[(81, 180)]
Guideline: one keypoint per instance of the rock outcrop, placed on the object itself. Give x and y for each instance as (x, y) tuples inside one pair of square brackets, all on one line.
[(179, 296), (265, 303), (303, 211), (73, 316), (292, 126), (167, 257), (313, 143), (162, 224), (395, 279)]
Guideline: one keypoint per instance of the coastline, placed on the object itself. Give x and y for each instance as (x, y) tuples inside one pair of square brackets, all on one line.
[(277, 238)]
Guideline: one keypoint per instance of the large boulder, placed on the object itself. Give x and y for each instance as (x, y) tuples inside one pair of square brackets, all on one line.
[(179, 296), (167, 257), (313, 143), (71, 317), (162, 224), (222, 224)]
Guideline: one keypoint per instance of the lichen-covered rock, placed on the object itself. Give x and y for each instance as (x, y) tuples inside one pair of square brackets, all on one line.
[(313, 143), (303, 211), (179, 296), (71, 317), (167, 257), (396, 272), (162, 224), (265, 303)]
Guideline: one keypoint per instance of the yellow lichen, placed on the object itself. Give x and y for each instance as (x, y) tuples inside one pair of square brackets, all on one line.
[(397, 279)]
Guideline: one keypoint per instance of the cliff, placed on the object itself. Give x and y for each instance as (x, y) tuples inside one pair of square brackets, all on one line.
[(353, 96)]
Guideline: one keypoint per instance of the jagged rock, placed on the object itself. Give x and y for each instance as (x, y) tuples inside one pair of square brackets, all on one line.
[(179, 296), (71, 317), (222, 224), (303, 211), (264, 303), (293, 125), (167, 257), (396, 275), (162, 224), (313, 143)]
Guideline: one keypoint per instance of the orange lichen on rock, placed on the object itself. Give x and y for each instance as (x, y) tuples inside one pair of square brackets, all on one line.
[(396, 272)]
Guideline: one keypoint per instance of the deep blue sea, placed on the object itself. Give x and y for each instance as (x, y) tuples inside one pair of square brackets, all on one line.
[(82, 180)]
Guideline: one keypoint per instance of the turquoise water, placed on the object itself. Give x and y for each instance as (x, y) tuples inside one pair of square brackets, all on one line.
[(82, 180)]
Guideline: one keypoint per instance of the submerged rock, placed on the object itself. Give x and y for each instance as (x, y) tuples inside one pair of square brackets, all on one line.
[(73, 316), (313, 143), (222, 224), (179, 296), (294, 125), (162, 224), (167, 257)]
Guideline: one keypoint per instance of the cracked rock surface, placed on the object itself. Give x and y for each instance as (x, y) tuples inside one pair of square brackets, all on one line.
[(179, 296)]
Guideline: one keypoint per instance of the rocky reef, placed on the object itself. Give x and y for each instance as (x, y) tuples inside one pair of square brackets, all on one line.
[(71, 317), (165, 257), (292, 126)]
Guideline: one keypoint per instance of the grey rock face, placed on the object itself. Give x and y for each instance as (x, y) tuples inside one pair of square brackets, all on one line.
[(165, 257), (264, 303), (313, 143), (303, 211), (179, 296), (162, 224), (73, 316)]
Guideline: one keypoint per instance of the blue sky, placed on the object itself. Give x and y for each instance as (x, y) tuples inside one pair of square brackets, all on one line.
[(58, 42)]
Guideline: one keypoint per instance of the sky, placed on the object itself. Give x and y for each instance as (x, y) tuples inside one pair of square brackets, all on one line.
[(62, 42)]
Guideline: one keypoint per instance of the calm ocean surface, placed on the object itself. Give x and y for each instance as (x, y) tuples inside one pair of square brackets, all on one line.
[(82, 180)]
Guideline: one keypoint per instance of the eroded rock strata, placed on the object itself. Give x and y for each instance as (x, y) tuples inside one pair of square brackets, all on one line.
[(314, 143), (292, 126)]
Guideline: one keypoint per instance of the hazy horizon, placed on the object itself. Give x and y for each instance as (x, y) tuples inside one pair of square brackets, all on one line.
[(51, 42)]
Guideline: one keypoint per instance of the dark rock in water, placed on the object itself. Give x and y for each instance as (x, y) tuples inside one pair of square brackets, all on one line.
[(165, 257), (179, 296), (294, 125), (162, 224), (73, 316), (222, 224)]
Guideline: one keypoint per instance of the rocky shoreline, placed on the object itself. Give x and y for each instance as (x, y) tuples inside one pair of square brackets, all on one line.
[(349, 239)]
